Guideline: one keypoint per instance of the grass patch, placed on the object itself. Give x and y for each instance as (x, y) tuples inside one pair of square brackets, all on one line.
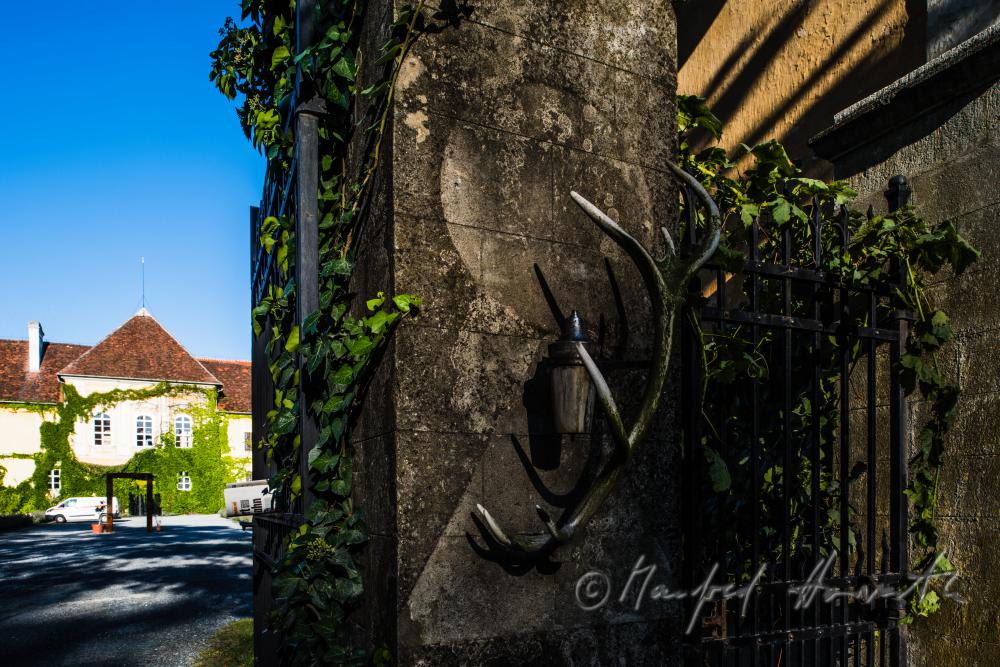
[(232, 646)]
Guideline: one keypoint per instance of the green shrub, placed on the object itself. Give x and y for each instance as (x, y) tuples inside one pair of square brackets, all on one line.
[(15, 499)]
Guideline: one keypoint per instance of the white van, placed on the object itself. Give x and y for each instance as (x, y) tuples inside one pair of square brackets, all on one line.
[(81, 508)]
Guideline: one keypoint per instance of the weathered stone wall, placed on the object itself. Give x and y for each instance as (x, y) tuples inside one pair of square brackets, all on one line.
[(950, 153), (494, 123), (780, 70), (951, 22)]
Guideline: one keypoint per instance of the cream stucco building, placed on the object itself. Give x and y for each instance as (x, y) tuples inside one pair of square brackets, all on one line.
[(140, 356)]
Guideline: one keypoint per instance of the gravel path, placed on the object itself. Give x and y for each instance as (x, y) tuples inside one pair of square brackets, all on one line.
[(69, 597)]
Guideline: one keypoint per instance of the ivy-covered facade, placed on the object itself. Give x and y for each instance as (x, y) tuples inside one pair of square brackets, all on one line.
[(136, 402)]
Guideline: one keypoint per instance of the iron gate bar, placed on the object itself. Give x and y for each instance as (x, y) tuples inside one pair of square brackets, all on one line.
[(274, 203), (845, 433), (805, 275), (788, 473), (791, 322), (755, 407), (828, 633), (271, 534), (771, 638), (817, 221)]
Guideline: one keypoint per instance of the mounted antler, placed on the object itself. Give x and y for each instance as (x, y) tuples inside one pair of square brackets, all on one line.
[(666, 281)]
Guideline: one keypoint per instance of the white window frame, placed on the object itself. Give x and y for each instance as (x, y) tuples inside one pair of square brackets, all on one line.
[(143, 431), (101, 422), (183, 481), (183, 431), (55, 481)]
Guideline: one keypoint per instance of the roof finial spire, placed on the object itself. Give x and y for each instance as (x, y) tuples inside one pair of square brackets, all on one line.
[(142, 287)]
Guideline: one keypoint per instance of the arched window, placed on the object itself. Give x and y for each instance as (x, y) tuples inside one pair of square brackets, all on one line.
[(102, 429), (143, 431), (183, 481), (182, 430)]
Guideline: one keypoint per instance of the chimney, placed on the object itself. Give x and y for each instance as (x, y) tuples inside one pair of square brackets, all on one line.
[(35, 343)]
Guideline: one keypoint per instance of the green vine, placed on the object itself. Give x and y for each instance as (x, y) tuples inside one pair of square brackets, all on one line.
[(207, 460), (319, 582), (883, 252)]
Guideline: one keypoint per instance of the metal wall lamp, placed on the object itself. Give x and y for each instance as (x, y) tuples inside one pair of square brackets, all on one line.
[(572, 389), (666, 280)]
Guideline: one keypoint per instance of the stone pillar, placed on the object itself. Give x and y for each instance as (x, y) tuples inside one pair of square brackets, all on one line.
[(494, 123)]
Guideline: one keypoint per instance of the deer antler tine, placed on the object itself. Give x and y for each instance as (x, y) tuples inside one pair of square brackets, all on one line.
[(550, 524), (603, 395), (714, 228), (664, 301), (670, 241), (494, 527)]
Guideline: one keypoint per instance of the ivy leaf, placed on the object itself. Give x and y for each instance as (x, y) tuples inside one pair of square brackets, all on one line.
[(285, 423), (337, 267), (342, 378), (693, 111), (352, 536), (345, 590), (314, 454), (812, 185), (391, 49), (360, 347), (337, 425), (718, 473), (310, 323), (772, 156), (343, 68), (782, 211), (292, 344), (377, 322), (279, 56), (406, 301), (748, 212), (333, 404), (375, 89)]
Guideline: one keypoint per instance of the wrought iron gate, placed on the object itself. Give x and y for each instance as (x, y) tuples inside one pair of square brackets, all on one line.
[(290, 191), (814, 450)]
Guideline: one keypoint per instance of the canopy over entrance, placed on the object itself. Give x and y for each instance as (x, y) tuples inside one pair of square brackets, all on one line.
[(110, 514)]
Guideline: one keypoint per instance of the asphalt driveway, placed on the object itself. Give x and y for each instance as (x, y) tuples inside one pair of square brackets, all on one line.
[(69, 597)]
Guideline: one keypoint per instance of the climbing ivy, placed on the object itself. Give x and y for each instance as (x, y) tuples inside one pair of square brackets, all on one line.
[(207, 461), (894, 254), (318, 581)]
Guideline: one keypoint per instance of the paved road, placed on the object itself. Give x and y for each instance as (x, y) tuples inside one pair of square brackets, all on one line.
[(68, 597)]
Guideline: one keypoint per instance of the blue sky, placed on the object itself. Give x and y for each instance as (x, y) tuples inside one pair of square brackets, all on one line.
[(118, 146)]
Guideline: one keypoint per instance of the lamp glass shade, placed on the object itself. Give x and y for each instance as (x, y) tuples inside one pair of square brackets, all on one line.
[(572, 398), (572, 389)]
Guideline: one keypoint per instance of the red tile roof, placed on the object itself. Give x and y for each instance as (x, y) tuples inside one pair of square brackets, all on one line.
[(18, 385), (235, 378), (141, 349)]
